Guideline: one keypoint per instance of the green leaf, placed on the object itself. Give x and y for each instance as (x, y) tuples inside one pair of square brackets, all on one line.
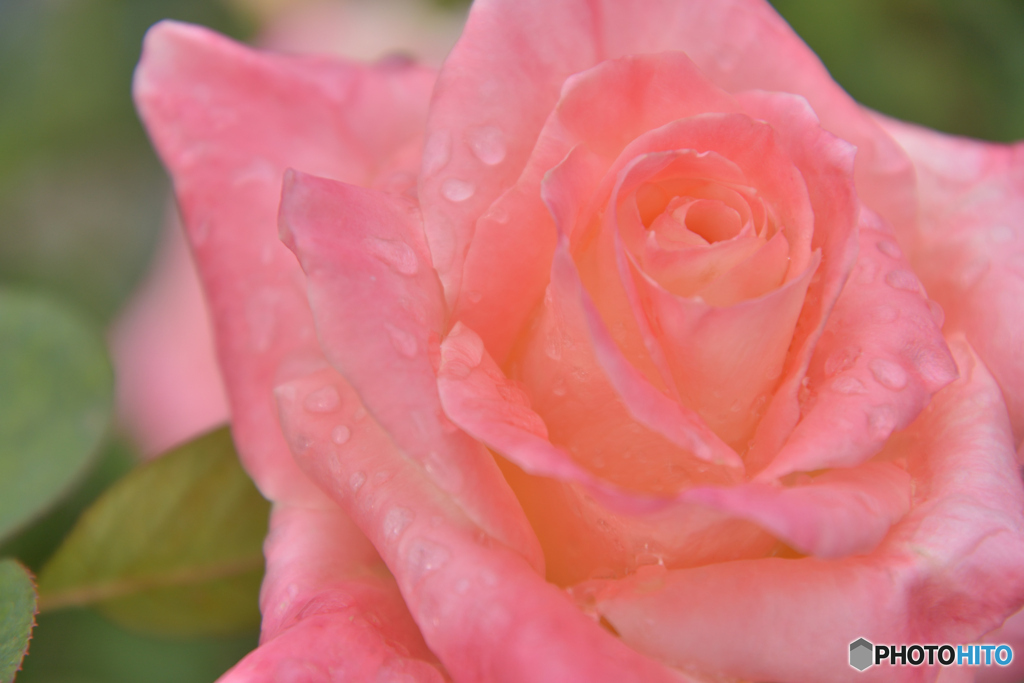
[(56, 390), (173, 548), (17, 613)]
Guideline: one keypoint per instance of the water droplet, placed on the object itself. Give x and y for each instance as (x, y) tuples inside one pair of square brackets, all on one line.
[(425, 557), (356, 481), (301, 443), (1000, 234), (882, 421), (457, 369), (938, 315), (359, 413), (445, 473), (889, 248), (648, 559), (934, 367), (884, 313), (395, 522), (841, 360), (889, 374), (499, 214), (455, 190), (341, 435), (437, 152), (559, 388), (488, 145), (323, 400), (398, 255), (474, 296), (403, 341), (462, 586), (903, 279), (848, 385), (866, 272)]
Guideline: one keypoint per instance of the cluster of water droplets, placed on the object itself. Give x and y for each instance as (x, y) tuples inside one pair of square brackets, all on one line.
[(486, 143)]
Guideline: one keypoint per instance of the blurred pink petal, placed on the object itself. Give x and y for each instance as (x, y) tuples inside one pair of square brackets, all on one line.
[(227, 121), (969, 245), (169, 386)]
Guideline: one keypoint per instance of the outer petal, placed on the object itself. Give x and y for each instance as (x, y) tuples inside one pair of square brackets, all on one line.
[(330, 608), (949, 572), (482, 608), (739, 44), (969, 246), (227, 121), (380, 314)]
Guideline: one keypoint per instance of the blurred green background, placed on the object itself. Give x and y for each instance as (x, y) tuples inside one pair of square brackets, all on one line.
[(82, 200)]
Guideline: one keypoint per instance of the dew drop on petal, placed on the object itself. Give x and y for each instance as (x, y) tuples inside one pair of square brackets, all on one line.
[(848, 385), (356, 481), (359, 413), (424, 557), (559, 388), (884, 313), (903, 279), (395, 522), (403, 342), (323, 400), (889, 248), (841, 360), (341, 434), (455, 190), (889, 374), (488, 145), (881, 421), (398, 255), (938, 315), (866, 272), (474, 296), (437, 151)]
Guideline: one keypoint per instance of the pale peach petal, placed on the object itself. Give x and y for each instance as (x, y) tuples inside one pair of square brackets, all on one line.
[(877, 365), (511, 248), (947, 573), (481, 607), (969, 245), (379, 314)]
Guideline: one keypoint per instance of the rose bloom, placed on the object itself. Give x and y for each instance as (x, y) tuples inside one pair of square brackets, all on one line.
[(605, 352)]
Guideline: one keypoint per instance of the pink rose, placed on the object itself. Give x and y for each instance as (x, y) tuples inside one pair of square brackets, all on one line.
[(652, 257)]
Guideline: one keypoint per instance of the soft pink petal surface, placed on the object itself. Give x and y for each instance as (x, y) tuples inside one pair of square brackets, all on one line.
[(948, 572), (481, 607), (227, 121), (969, 245), (380, 314)]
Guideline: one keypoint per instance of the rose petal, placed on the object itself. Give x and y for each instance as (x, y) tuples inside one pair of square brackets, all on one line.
[(330, 608), (948, 573), (506, 73), (879, 361), (481, 607), (837, 514), (227, 121), (379, 313), (969, 245)]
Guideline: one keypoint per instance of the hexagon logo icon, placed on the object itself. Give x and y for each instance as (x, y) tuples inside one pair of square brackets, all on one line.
[(860, 654)]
